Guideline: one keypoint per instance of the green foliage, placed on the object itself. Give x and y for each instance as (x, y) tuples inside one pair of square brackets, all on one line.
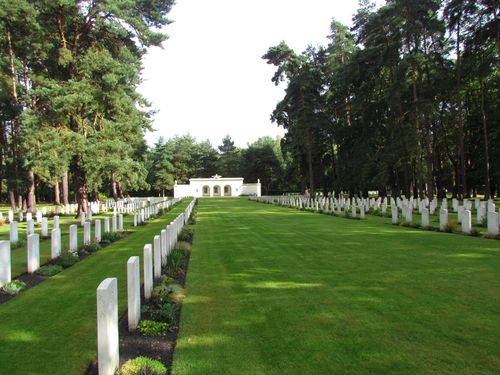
[(186, 234), (175, 260), (91, 247), (21, 242), (451, 226), (152, 328), (14, 287), (142, 366), (49, 270), (109, 237), (68, 258)]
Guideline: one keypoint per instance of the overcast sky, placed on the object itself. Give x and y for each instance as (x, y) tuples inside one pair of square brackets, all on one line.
[(209, 79)]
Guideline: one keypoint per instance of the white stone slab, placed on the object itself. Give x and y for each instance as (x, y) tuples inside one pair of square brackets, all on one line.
[(33, 260), (30, 227), (157, 257), (120, 222), (493, 223), (466, 221), (114, 226), (14, 232), (45, 227), (73, 237), (56, 222), (425, 217), (148, 271), (86, 233), (97, 230), (443, 218), (55, 244), (108, 356), (106, 225), (133, 292), (5, 266)]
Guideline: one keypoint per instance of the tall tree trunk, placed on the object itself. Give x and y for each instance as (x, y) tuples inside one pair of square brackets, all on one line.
[(64, 186), (57, 194), (31, 190), (114, 190), (79, 185), (461, 132), (487, 187)]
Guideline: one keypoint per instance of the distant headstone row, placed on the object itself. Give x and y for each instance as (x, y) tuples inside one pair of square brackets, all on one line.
[(401, 208)]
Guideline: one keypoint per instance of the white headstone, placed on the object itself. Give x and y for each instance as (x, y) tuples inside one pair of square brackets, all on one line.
[(29, 216), (443, 218), (45, 227), (33, 253), (157, 257), (73, 237), (5, 267), (120, 222), (97, 230), (39, 217), (395, 212), (163, 240), (82, 218), (106, 225), (114, 225), (425, 217), (56, 222), (133, 292), (14, 232), (107, 327), (86, 233), (11, 216), (148, 271), (493, 223), (466, 221), (30, 227), (55, 245)]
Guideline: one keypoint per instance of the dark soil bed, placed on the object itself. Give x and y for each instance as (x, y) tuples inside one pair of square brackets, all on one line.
[(30, 280)]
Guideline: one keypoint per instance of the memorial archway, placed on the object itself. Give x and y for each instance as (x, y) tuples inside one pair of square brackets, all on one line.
[(227, 191), (216, 191), (206, 191)]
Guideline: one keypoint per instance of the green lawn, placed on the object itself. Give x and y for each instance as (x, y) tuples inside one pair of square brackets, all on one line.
[(51, 328), (272, 290)]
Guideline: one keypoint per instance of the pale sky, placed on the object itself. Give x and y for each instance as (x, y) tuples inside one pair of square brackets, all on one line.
[(209, 79)]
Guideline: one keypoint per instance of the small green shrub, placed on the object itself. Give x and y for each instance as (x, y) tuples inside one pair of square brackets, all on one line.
[(450, 227), (174, 260), (49, 270), (68, 259), (142, 366), (14, 287), (163, 279), (152, 328), (109, 237), (165, 313), (186, 234), (92, 247), (160, 294)]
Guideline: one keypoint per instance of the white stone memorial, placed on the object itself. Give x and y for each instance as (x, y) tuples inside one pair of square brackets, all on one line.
[(133, 292), (30, 227), (107, 327), (5, 267), (425, 217), (45, 227), (97, 230), (493, 223), (466, 221), (33, 253), (56, 222), (55, 244), (443, 218), (73, 237), (148, 271), (114, 225), (106, 225), (14, 232), (157, 257), (86, 233), (120, 223)]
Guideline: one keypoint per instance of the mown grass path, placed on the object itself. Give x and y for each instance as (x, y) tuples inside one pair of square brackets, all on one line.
[(51, 328), (272, 290)]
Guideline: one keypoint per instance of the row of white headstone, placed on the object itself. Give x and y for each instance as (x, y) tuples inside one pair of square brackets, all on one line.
[(33, 242), (484, 210), (144, 213), (154, 257)]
